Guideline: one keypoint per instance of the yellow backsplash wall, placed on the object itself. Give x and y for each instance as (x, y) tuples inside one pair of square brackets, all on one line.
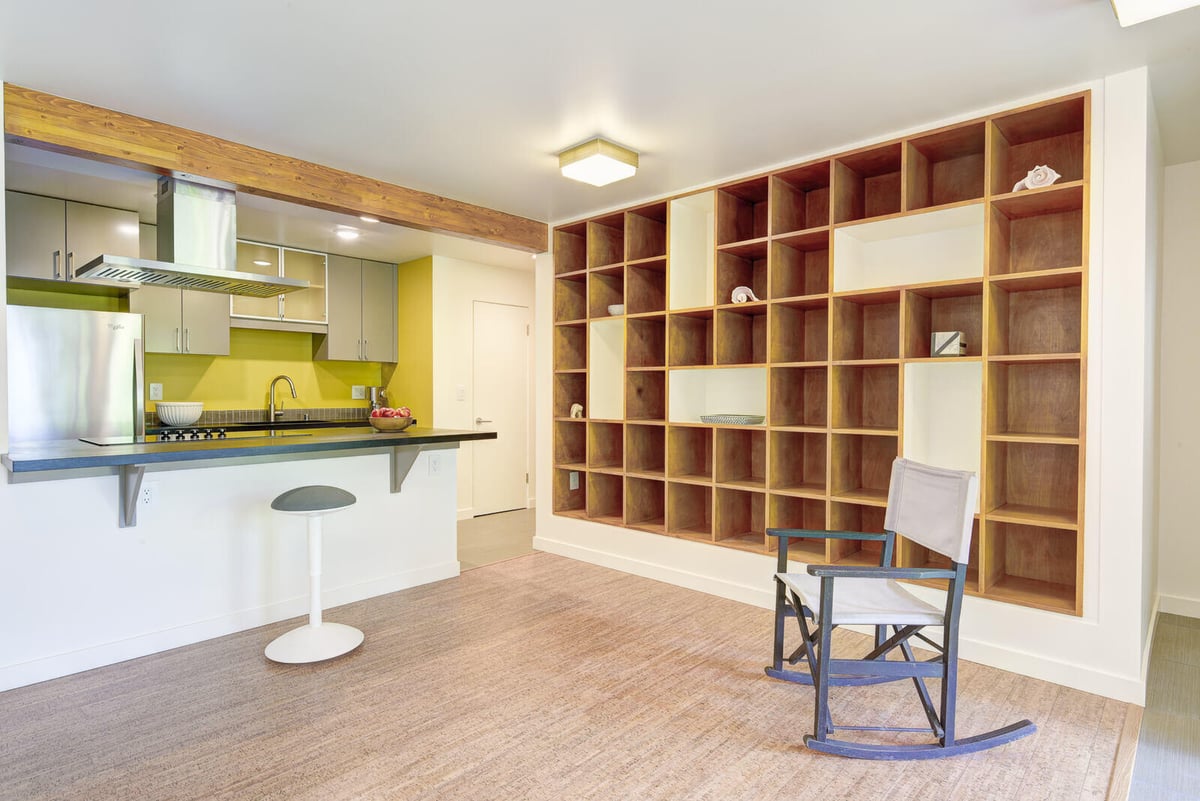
[(241, 380), (411, 384)]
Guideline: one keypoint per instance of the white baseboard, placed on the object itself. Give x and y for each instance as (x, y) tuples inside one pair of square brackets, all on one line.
[(723, 588), (1082, 677), (1176, 605), (109, 653)]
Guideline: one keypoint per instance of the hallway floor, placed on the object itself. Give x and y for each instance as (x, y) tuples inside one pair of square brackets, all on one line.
[(495, 538)]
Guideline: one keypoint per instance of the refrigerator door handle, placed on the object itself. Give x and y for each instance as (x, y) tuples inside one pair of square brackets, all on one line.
[(139, 385)]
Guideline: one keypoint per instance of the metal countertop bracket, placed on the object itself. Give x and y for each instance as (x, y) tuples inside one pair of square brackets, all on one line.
[(403, 458), (129, 487)]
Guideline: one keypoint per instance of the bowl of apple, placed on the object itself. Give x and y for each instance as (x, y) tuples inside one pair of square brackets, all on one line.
[(387, 419)]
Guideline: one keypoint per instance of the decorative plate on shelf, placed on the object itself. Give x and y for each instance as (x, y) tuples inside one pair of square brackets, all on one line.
[(733, 419)]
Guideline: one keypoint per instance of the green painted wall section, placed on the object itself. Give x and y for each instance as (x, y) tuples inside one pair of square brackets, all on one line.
[(411, 383), (241, 379), (66, 300)]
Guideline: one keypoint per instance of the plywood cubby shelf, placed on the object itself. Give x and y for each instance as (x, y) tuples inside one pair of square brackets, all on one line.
[(856, 259)]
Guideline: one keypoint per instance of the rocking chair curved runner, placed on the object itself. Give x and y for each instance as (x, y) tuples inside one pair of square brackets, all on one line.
[(934, 508)]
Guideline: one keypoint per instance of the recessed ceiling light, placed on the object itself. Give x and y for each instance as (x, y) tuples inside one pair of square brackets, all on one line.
[(346, 233), (262, 263), (367, 218), (598, 162)]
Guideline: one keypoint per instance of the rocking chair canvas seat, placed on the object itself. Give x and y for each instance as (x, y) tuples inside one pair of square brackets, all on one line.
[(868, 602), (933, 508)]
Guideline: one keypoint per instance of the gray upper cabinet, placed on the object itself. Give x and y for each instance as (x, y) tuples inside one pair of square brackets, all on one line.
[(179, 320), (50, 238), (362, 311)]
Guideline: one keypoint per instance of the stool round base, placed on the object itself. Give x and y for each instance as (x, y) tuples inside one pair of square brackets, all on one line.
[(314, 643)]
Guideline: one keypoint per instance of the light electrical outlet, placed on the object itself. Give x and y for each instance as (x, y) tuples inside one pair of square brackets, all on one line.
[(435, 464), (358, 392), (460, 393), (156, 392), (148, 492)]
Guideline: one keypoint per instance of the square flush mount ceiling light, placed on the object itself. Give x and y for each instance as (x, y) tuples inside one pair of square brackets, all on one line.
[(1131, 12), (598, 162)]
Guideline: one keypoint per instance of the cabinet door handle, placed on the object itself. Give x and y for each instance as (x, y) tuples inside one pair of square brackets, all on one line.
[(178, 342), (187, 340), (480, 420), (57, 258), (364, 350), (70, 265)]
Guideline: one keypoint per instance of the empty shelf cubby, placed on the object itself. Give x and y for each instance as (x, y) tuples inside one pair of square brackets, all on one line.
[(867, 183), (799, 331), (797, 463), (798, 396), (742, 211), (946, 167), (690, 452), (800, 265), (800, 198), (689, 510)]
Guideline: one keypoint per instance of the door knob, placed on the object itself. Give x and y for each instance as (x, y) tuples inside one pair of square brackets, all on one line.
[(479, 420)]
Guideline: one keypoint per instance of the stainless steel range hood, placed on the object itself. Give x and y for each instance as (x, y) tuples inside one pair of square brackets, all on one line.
[(197, 248)]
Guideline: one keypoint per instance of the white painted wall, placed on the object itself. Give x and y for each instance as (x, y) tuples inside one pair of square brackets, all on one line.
[(1179, 547), (1099, 652), (457, 285), (1151, 426)]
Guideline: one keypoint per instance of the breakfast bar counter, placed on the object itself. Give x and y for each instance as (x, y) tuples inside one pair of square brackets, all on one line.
[(31, 461), (280, 443)]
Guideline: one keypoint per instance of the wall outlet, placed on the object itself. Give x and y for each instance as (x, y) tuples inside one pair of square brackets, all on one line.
[(435, 464), (573, 480), (460, 393), (358, 392), (156, 392), (147, 494)]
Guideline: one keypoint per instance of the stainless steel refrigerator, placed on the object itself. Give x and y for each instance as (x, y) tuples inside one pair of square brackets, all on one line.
[(74, 374)]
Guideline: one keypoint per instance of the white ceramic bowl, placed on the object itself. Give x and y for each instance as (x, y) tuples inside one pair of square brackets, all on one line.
[(179, 413), (616, 309)]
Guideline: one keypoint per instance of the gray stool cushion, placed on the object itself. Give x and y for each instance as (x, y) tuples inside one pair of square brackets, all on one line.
[(316, 498)]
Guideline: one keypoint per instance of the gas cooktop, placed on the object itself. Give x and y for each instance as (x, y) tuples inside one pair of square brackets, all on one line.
[(177, 435)]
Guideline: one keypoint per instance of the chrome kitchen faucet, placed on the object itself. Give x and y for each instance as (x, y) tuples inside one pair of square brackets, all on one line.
[(272, 410)]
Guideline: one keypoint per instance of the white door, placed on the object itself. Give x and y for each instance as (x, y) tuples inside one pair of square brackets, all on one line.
[(501, 404)]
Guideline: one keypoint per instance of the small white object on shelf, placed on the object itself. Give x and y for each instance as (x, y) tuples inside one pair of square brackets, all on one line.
[(577, 410), (1037, 178), (742, 294), (948, 343), (733, 419), (616, 309), (179, 413)]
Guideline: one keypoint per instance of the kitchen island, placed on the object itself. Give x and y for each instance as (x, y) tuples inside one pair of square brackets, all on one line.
[(208, 557)]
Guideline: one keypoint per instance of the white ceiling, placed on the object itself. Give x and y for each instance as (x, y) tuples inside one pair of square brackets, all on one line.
[(472, 100)]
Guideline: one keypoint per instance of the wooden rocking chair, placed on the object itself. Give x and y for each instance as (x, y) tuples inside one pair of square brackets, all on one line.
[(934, 508)]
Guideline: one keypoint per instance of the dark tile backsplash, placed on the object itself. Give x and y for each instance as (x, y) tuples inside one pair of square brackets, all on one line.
[(231, 416)]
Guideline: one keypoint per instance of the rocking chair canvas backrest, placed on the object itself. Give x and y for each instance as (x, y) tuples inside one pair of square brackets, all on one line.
[(933, 506)]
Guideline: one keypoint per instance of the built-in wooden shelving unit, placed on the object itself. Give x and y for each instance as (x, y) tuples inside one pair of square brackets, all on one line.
[(856, 260)]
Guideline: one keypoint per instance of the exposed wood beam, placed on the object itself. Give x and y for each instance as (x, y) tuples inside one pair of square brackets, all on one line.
[(55, 123)]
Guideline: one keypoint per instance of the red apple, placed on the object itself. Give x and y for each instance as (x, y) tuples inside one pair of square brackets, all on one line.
[(404, 411)]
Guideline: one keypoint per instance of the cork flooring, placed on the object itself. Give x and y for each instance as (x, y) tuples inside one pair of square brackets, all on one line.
[(534, 678)]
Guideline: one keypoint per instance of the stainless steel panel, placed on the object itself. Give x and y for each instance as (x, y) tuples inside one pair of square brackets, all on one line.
[(72, 373)]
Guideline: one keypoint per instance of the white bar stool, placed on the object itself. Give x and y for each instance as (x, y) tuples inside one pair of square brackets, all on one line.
[(317, 640)]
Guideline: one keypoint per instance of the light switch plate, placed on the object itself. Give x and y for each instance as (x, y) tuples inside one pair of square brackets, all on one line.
[(460, 393), (358, 392), (156, 392)]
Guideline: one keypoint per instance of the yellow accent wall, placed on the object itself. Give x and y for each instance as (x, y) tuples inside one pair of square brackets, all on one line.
[(411, 383), (66, 300), (241, 380)]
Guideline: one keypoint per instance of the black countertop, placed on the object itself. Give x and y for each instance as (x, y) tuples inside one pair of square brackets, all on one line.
[(73, 454)]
